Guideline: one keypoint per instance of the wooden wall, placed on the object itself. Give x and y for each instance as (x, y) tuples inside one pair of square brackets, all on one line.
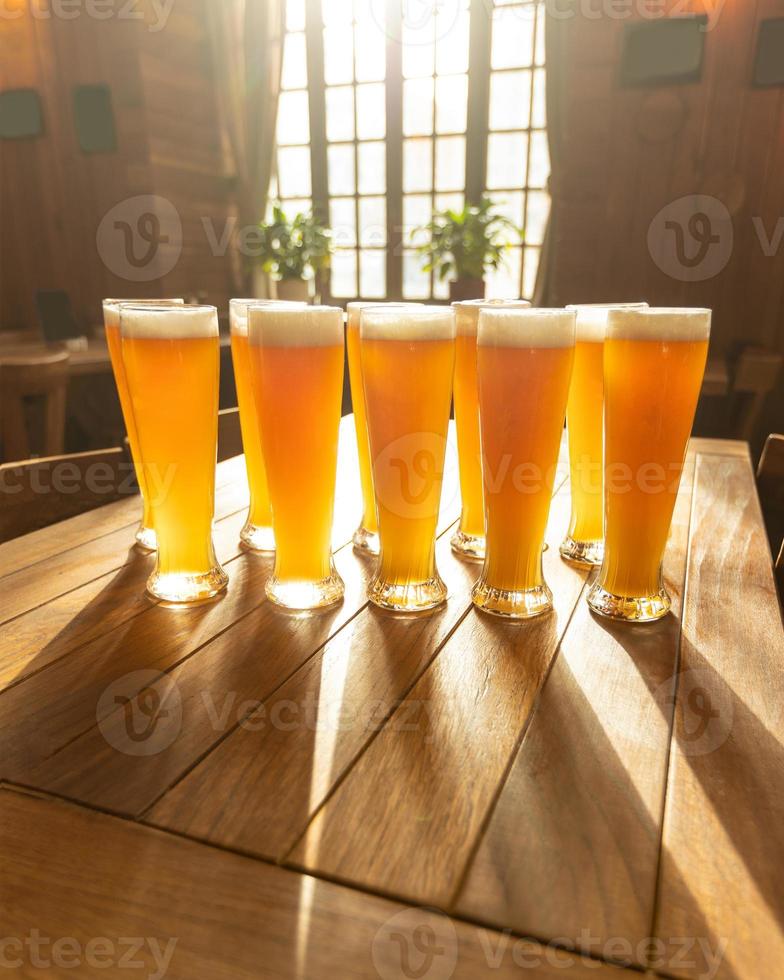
[(627, 153), (53, 196)]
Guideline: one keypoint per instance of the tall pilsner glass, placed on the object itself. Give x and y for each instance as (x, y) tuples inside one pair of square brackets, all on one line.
[(469, 539), (584, 542), (296, 361), (654, 361), (172, 363), (257, 534), (407, 367), (145, 534), (524, 360), (366, 535)]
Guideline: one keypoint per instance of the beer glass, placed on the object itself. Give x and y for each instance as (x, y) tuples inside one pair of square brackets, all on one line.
[(296, 363), (257, 533), (524, 366), (366, 535), (584, 542), (172, 363), (407, 366), (145, 534), (654, 361), (469, 539)]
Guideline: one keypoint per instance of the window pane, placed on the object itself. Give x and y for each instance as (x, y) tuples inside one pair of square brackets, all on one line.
[(440, 288), (510, 100), (296, 205), (336, 12), (416, 283), (370, 49), (295, 65), (540, 38), (540, 100), (453, 201), (340, 163), (373, 221), (419, 53), (371, 112), (293, 123), (418, 107), (451, 104), (338, 55), (343, 278), (372, 168), (513, 37), (417, 211), (340, 113), (373, 274), (511, 206), (417, 165), (537, 214), (450, 163), (506, 159), (505, 280), (343, 221), (531, 268), (294, 171), (295, 15), (452, 30), (539, 167)]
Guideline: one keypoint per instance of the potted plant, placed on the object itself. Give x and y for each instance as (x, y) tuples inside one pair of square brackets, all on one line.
[(464, 245), (294, 252)]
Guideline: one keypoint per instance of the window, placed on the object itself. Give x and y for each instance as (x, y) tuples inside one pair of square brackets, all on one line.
[(412, 114)]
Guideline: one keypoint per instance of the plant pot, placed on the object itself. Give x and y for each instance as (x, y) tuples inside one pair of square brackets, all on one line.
[(293, 290), (461, 290)]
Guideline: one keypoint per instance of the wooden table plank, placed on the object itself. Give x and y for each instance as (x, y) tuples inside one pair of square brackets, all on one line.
[(405, 819), (723, 846), (232, 917), (572, 848)]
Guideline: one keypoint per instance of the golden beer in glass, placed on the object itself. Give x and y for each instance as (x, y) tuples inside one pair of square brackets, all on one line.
[(366, 535), (654, 361), (524, 364), (469, 539), (407, 366), (584, 542), (145, 535), (172, 363), (257, 534), (296, 362)]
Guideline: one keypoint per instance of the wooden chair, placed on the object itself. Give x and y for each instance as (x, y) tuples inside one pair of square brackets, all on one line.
[(770, 483), (40, 492), (24, 377), (229, 434)]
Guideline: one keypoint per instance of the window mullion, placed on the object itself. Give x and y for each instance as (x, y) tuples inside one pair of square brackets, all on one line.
[(478, 99), (394, 150), (314, 34)]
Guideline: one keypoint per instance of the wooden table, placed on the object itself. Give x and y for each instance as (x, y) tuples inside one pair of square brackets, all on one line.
[(297, 796)]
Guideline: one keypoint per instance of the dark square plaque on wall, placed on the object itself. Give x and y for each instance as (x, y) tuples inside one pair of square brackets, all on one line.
[(20, 114), (94, 119), (663, 52), (769, 62)]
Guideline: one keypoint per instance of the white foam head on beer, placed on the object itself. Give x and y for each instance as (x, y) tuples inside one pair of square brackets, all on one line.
[(295, 326), (111, 307), (407, 323), (592, 319), (535, 327), (238, 312), (169, 322), (660, 323), (467, 312), (354, 310)]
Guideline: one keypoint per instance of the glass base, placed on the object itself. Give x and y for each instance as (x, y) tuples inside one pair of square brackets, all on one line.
[(366, 542), (412, 597), (256, 538), (302, 595), (587, 553), (641, 609), (519, 604), (177, 589), (146, 539), (471, 547)]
